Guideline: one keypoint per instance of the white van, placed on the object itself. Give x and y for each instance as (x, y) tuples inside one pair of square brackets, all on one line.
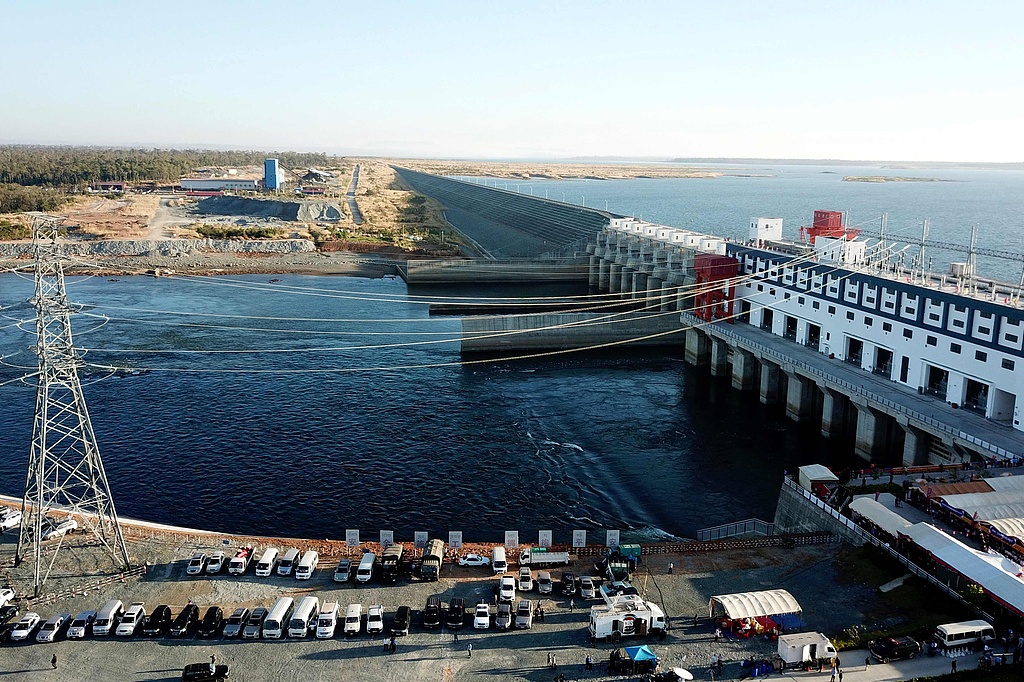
[(107, 618), (307, 564), (266, 564), (327, 621), (967, 632), (498, 562), (353, 620), (365, 571), (287, 563), (277, 619), (304, 617)]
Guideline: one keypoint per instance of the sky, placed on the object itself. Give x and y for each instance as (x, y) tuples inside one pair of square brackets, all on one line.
[(914, 81)]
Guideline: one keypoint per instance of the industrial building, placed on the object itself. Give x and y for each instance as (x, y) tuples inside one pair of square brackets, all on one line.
[(272, 178), (217, 184)]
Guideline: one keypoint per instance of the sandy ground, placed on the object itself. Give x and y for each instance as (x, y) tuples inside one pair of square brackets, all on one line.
[(566, 171)]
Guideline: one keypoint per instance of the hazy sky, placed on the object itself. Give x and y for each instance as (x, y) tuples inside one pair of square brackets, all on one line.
[(929, 80)]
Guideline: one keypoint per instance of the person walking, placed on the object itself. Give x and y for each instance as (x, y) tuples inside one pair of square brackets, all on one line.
[(572, 605), (589, 663), (840, 675), (53, 661), (549, 660), (952, 665), (718, 633), (469, 650), (213, 659), (455, 634), (554, 661)]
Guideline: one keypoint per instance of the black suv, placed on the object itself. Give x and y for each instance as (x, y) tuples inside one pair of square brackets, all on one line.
[(400, 625), (456, 613), (570, 584), (212, 622), (432, 613), (158, 622), (894, 648), (186, 621)]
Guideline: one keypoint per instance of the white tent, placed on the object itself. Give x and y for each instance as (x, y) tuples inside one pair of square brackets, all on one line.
[(1013, 527), (996, 575), (995, 505), (879, 514), (753, 604), (1005, 484)]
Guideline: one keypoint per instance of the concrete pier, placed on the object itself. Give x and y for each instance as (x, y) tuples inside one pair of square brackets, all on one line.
[(719, 358), (697, 348), (869, 431), (832, 413), (798, 397), (742, 369), (769, 389)]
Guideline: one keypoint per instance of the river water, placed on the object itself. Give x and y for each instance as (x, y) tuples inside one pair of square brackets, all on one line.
[(356, 412)]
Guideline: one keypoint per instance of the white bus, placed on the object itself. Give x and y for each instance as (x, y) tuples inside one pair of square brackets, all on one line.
[(304, 617), (277, 620)]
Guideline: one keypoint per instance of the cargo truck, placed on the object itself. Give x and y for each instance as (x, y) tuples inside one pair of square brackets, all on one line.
[(391, 563), (433, 558), (539, 556)]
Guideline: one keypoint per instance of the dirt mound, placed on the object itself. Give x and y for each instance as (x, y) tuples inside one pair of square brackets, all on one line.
[(300, 211)]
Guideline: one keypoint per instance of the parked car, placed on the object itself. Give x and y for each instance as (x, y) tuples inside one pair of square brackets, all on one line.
[(58, 529), (474, 560), (524, 615), (544, 583), (507, 589), (186, 621), (482, 619), (81, 624), (6, 596), (215, 564), (204, 672), (456, 613), (197, 564), (159, 622), (8, 613), (894, 648), (525, 579), (212, 622), (588, 590), (26, 627), (51, 629), (132, 620), (432, 612), (234, 624), (503, 618), (374, 619), (254, 626), (9, 518), (569, 585), (343, 572), (400, 625)]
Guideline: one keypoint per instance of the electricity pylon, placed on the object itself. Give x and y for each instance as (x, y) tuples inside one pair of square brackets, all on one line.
[(65, 473)]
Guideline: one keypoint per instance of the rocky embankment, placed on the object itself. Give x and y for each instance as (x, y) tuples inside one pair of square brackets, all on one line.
[(169, 248), (292, 211)]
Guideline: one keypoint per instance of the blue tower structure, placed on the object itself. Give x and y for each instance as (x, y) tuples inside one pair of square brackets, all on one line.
[(271, 174)]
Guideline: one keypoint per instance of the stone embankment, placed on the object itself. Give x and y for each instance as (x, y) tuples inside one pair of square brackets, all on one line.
[(297, 211), (172, 248)]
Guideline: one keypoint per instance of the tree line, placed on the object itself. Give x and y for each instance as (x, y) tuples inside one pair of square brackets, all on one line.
[(69, 167), (18, 198)]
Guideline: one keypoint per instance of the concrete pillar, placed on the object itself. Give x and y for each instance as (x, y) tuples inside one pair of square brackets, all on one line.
[(667, 296), (742, 369), (594, 272), (615, 278), (654, 285), (719, 357), (869, 426), (696, 347), (769, 393), (639, 286), (831, 413), (913, 445), (798, 397), (604, 274), (626, 281)]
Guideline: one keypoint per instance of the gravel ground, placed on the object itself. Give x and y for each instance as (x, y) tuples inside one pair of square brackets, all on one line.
[(808, 572)]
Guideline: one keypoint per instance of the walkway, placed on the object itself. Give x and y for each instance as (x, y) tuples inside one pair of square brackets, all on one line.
[(996, 440), (353, 207)]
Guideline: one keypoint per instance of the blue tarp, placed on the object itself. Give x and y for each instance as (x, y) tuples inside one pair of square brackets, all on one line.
[(640, 653), (789, 622)]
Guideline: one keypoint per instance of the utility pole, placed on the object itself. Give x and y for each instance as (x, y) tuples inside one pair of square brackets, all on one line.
[(920, 254), (65, 473)]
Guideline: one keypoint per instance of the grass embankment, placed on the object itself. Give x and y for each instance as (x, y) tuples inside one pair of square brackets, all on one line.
[(913, 609)]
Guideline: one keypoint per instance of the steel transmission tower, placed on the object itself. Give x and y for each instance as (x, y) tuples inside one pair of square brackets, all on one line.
[(65, 472)]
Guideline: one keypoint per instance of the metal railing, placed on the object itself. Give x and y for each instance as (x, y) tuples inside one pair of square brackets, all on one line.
[(877, 542), (787, 360), (730, 530)]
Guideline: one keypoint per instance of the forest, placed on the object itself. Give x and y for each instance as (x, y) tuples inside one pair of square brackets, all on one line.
[(71, 167)]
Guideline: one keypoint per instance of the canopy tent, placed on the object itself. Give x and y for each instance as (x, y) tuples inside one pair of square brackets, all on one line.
[(879, 514), (996, 575), (641, 653), (1011, 527), (987, 506), (1005, 484), (753, 604)]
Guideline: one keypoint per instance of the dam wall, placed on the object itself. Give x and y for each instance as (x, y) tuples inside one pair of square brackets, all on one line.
[(558, 331), (507, 224)]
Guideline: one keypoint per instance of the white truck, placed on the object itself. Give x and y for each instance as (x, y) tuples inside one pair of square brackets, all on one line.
[(538, 556), (804, 649), (627, 616)]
